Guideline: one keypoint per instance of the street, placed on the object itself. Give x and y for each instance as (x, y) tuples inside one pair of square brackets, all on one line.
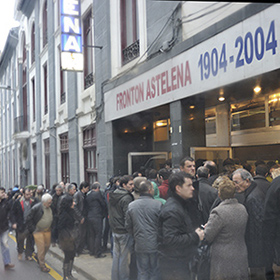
[(29, 270)]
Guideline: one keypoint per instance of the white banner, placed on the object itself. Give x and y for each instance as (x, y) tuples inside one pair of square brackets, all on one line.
[(245, 50)]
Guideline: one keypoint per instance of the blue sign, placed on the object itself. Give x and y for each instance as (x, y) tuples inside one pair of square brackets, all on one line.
[(71, 30)]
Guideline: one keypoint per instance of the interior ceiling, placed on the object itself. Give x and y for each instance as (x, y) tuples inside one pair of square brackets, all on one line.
[(269, 82)]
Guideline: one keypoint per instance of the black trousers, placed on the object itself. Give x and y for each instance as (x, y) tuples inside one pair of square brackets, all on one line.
[(81, 236), (95, 227), (171, 269), (29, 247)]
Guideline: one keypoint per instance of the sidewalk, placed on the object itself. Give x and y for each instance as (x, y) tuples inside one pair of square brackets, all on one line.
[(88, 266)]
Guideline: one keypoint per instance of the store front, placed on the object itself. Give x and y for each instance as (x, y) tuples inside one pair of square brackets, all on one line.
[(204, 97)]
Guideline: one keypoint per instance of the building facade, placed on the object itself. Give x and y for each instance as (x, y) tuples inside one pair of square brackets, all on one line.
[(159, 77), (48, 125)]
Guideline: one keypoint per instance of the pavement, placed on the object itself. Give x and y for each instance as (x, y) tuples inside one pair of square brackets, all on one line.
[(88, 266)]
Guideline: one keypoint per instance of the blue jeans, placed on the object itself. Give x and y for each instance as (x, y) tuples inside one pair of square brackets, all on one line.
[(121, 256), (5, 247), (148, 266)]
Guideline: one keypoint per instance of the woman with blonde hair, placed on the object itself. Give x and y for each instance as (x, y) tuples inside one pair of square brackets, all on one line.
[(225, 232)]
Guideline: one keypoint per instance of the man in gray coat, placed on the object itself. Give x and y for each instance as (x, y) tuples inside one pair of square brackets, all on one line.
[(142, 223)]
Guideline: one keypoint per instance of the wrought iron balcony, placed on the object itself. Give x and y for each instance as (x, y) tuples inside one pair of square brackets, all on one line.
[(131, 52), (89, 80)]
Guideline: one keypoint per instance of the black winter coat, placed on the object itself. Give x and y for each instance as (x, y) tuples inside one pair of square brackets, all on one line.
[(66, 233), (253, 199), (177, 235), (271, 223), (118, 204), (17, 213), (5, 208), (95, 205)]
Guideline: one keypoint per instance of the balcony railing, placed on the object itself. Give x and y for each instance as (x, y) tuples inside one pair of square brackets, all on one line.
[(89, 80), (131, 52), (20, 124)]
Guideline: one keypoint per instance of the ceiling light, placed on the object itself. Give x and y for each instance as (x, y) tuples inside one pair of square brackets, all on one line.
[(192, 107), (257, 89), (221, 98)]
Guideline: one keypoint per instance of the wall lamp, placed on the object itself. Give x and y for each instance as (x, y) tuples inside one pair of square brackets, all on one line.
[(7, 88)]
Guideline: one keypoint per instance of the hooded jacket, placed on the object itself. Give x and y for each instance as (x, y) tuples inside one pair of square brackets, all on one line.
[(118, 204)]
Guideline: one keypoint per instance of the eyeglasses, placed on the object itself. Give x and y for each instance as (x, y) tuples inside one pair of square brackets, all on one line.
[(238, 183)]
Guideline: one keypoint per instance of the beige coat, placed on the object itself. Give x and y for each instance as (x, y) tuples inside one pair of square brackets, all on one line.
[(225, 231)]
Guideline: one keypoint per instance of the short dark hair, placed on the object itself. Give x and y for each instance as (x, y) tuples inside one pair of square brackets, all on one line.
[(125, 179), (96, 185), (2, 189), (164, 173), (152, 174), (258, 162), (228, 161), (177, 179), (202, 172), (145, 186), (25, 189), (262, 169), (211, 165), (182, 162), (84, 184)]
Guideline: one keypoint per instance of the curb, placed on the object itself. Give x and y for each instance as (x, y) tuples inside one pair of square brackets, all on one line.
[(78, 269)]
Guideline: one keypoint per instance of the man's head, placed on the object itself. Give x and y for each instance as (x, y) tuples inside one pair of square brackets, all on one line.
[(71, 189), (96, 186), (262, 170), (180, 183), (146, 186), (26, 193), (40, 189), (242, 179), (47, 200), (58, 190), (163, 174), (187, 165), (2, 193), (84, 187), (137, 181), (126, 182), (211, 165), (203, 172)]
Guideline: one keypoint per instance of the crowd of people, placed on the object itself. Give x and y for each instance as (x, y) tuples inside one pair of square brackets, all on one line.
[(156, 221)]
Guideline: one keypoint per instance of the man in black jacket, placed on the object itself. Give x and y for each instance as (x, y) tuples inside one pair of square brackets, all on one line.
[(178, 237), (5, 207), (20, 210), (81, 211), (253, 199), (271, 227), (118, 204), (96, 211)]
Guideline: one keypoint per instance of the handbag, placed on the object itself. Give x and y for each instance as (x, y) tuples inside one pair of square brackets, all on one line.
[(200, 264)]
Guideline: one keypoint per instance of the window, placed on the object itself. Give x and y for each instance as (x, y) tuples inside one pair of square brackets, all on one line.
[(45, 89), (210, 121), (33, 43), (34, 99), (45, 24), (161, 130), (274, 109), (64, 150), (62, 90), (34, 150), (248, 114), (129, 30), (88, 57), (47, 162), (24, 85), (89, 146)]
